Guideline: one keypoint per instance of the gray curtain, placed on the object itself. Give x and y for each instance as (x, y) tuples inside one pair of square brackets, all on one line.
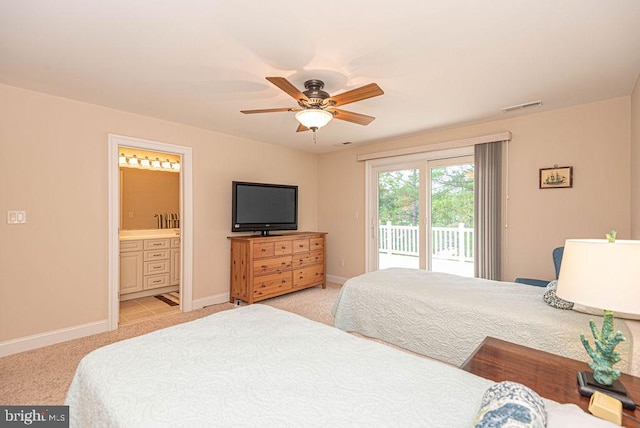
[(488, 210)]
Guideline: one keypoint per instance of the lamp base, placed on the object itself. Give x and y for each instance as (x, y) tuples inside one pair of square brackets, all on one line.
[(588, 386)]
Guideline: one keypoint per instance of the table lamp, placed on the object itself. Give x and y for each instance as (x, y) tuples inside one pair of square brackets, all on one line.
[(604, 274)]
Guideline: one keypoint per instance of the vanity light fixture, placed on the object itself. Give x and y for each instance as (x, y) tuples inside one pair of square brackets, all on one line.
[(133, 160)]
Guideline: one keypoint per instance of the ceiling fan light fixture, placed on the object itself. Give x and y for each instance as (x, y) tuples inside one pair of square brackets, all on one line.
[(313, 118)]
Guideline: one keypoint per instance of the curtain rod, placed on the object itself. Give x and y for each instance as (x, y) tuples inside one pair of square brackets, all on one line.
[(502, 136)]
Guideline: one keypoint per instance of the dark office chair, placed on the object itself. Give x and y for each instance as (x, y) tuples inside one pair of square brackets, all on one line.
[(557, 260)]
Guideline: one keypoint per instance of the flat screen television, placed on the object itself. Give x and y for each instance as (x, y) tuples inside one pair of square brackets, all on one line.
[(260, 207)]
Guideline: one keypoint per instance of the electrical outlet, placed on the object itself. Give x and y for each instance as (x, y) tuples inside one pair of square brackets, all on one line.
[(16, 217), (341, 262)]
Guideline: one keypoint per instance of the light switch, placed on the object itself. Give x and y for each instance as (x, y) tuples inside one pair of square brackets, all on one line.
[(16, 217)]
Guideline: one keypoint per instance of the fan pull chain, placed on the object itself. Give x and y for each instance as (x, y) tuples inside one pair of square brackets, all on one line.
[(314, 136)]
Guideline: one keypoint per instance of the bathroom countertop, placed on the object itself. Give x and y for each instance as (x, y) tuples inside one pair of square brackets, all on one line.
[(130, 235)]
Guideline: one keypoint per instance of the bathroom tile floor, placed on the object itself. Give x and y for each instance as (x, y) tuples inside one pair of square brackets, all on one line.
[(144, 308)]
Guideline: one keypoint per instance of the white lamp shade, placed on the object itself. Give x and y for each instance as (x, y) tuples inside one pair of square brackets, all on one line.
[(601, 274), (314, 117)]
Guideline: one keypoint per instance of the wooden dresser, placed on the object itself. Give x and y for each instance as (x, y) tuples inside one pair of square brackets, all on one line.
[(269, 266)]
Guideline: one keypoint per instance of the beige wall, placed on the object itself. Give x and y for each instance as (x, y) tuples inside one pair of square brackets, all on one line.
[(593, 138), (53, 270), (66, 236), (145, 193), (635, 161)]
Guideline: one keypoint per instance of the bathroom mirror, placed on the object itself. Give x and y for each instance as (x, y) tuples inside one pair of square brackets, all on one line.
[(145, 194)]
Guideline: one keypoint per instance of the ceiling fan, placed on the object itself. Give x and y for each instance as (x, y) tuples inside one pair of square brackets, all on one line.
[(317, 107)]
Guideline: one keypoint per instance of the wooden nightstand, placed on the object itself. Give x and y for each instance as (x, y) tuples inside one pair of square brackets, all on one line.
[(551, 376)]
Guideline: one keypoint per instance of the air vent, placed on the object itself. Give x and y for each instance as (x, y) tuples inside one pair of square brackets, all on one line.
[(522, 106), (346, 143)]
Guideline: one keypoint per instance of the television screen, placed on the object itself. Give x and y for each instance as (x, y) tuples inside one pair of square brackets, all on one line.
[(264, 207)]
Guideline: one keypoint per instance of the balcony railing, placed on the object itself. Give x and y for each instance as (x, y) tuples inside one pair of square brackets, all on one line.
[(448, 243)]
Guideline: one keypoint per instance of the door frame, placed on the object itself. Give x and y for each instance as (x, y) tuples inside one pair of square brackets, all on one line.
[(186, 220), (371, 193)]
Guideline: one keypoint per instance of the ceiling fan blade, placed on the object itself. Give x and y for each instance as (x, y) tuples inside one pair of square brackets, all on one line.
[(287, 87), (302, 128), (361, 93), (269, 110), (360, 119)]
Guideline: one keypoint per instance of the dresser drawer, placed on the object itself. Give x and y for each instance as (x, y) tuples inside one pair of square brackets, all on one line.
[(281, 248), (272, 284), (301, 260), (308, 276), (263, 249), (155, 244), (316, 244), (300, 246), (127, 246), (156, 255), (154, 267), (156, 281), (272, 265)]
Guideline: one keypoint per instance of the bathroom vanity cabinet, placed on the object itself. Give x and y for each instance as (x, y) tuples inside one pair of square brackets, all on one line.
[(148, 264)]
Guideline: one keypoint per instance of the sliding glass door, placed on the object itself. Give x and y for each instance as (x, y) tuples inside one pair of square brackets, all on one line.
[(420, 212), (450, 202), (399, 218)]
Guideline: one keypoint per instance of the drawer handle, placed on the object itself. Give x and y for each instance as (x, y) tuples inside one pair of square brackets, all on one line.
[(283, 248), (264, 266), (284, 281), (157, 255), (156, 244), (264, 250), (300, 246), (157, 281)]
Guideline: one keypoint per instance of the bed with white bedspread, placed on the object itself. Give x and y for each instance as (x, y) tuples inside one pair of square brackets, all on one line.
[(447, 316), (257, 366)]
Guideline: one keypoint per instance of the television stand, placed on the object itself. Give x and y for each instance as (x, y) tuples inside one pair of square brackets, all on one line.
[(268, 266)]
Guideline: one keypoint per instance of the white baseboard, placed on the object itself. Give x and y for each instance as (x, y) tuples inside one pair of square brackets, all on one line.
[(211, 300), (336, 279), (35, 341)]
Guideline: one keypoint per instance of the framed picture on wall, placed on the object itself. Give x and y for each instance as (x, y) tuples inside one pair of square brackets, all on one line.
[(558, 177)]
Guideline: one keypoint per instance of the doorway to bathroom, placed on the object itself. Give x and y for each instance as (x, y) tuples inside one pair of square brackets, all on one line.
[(149, 234), (150, 210)]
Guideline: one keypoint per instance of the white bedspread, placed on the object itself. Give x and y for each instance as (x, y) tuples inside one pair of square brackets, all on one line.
[(447, 316), (257, 366)]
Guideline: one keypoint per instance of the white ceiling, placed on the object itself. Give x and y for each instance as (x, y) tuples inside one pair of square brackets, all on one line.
[(440, 62)]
